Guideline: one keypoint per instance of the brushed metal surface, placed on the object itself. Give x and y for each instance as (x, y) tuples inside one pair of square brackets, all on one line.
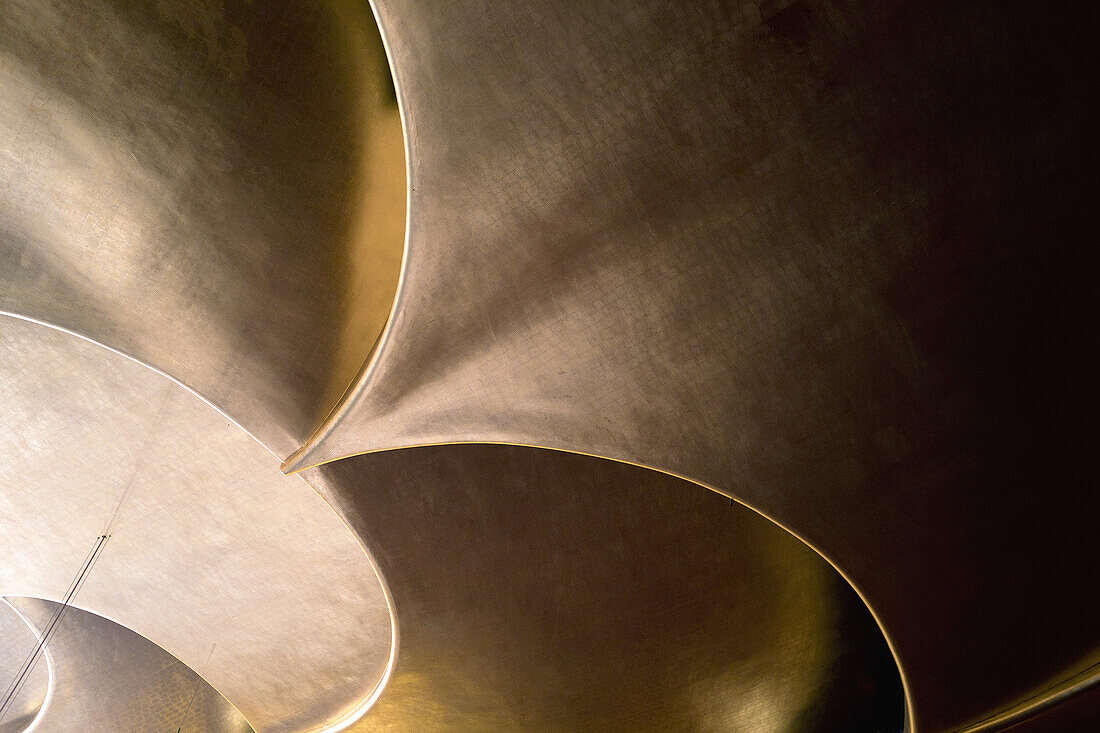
[(107, 678), (544, 591), (1060, 704), (216, 189), (210, 543), (17, 641), (1079, 713), (823, 256)]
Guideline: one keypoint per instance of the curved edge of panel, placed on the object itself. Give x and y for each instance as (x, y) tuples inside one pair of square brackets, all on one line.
[(352, 716), (541, 528), (332, 406), (359, 709), (335, 255), (909, 726), (33, 630), (1062, 688), (1050, 697), (134, 359), (310, 453), (55, 664), (346, 719), (306, 452)]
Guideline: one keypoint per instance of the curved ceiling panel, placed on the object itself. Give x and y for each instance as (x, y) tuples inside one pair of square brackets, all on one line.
[(545, 591), (216, 189), (21, 703), (1079, 713), (821, 255), (107, 678), (209, 542)]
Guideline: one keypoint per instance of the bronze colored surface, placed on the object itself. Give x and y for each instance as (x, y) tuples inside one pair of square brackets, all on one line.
[(216, 189), (1068, 705), (823, 256), (107, 678), (1078, 713), (210, 543), (820, 256), (544, 591)]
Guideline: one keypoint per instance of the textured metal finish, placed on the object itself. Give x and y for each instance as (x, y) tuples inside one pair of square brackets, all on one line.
[(107, 678), (820, 256), (1065, 700), (211, 544), (544, 591), (216, 189), (1079, 713), (17, 641)]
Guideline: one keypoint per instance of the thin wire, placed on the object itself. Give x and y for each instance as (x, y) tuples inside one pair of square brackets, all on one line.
[(198, 684), (24, 671), (28, 666), (55, 622), (11, 690)]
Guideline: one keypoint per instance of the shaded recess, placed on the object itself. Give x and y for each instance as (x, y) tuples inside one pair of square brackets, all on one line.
[(107, 678), (210, 544), (216, 189), (546, 591)]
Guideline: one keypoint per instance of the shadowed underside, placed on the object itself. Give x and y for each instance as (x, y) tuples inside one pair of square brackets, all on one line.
[(544, 591)]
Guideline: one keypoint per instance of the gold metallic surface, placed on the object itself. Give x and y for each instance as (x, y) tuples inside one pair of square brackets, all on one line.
[(543, 591), (214, 189), (1050, 697), (107, 678), (1081, 712), (822, 256), (210, 543)]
